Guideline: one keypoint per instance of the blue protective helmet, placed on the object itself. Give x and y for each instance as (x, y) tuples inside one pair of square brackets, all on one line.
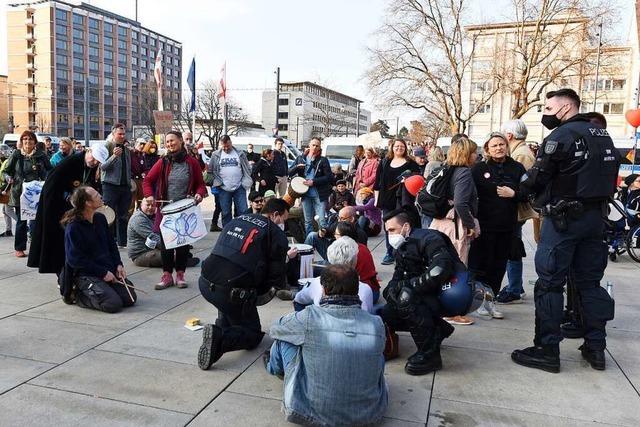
[(460, 295)]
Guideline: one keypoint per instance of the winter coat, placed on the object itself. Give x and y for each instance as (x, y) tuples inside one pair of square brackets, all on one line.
[(366, 173), (24, 169)]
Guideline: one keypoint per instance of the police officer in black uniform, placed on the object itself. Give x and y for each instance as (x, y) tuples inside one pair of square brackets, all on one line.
[(247, 261), (573, 177), (425, 263)]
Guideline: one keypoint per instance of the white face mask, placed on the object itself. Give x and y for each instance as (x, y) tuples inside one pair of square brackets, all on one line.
[(396, 240), (281, 226)]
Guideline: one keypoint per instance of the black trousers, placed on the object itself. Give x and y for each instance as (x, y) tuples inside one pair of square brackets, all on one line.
[(174, 258), (93, 292), (488, 258), (421, 322), (239, 322)]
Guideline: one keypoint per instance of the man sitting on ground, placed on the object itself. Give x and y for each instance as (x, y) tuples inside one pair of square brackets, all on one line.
[(256, 202), (143, 244), (342, 251), (331, 357), (321, 239)]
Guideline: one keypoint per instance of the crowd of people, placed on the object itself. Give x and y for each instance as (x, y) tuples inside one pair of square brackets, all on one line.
[(450, 250)]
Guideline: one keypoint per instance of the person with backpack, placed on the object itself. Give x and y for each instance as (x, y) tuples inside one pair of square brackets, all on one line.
[(388, 180), (497, 179)]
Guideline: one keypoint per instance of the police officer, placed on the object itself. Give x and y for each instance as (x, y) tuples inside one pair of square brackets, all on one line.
[(246, 262), (423, 290), (573, 176)]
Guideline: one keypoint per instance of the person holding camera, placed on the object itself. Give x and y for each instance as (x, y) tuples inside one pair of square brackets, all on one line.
[(247, 261), (116, 180)]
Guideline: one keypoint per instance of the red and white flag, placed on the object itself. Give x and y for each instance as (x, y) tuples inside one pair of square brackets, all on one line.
[(222, 84), (157, 70)]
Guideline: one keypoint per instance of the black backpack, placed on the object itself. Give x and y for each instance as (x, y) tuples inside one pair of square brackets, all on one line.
[(433, 199)]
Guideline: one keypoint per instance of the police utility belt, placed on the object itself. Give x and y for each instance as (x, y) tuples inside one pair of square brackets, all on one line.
[(564, 211), (236, 295)]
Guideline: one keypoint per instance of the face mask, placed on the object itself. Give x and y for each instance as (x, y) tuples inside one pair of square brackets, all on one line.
[(396, 240), (551, 121), (281, 226)]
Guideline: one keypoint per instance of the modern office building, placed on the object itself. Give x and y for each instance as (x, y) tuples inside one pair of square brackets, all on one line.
[(617, 80), (306, 109), (53, 46)]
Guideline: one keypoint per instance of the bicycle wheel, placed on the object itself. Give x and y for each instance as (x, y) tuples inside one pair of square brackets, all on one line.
[(633, 243)]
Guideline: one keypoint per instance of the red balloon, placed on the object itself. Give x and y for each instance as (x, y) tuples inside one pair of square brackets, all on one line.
[(413, 184), (633, 117)]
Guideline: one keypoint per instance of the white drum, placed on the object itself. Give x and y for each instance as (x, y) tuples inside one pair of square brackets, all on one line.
[(305, 258), (296, 189), (615, 212), (182, 224), (108, 213)]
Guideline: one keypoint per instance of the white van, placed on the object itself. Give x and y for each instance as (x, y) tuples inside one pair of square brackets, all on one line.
[(11, 139), (339, 150), (260, 143)]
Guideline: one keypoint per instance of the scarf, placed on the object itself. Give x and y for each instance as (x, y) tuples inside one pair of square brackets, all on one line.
[(346, 300), (178, 156)]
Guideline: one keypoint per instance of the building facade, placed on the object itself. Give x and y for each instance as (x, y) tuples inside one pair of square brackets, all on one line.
[(53, 47), (495, 59), (307, 110), (4, 105)]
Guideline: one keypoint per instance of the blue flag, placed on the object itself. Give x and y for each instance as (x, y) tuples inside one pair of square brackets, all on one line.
[(191, 81)]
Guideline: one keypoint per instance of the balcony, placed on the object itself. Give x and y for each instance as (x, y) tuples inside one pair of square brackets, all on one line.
[(31, 94), (30, 80), (31, 51), (30, 37), (29, 23), (31, 67)]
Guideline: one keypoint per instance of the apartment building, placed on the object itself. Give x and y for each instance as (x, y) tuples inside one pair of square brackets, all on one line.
[(4, 105), (54, 46), (306, 109)]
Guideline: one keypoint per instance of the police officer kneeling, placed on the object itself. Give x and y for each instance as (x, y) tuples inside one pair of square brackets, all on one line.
[(246, 262), (429, 282), (573, 176)]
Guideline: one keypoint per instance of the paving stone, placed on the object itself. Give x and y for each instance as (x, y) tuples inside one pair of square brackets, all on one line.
[(232, 410), (493, 379), (447, 413), (9, 309), (30, 406), (158, 383), (28, 290), (15, 371), (49, 340)]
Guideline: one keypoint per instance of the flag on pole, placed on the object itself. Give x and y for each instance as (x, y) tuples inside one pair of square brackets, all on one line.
[(191, 81), (222, 85), (631, 155), (157, 72)]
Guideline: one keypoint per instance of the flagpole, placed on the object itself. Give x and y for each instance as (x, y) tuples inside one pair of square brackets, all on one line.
[(194, 102), (224, 107)]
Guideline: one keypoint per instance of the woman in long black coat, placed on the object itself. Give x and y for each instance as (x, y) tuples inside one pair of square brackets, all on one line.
[(264, 172)]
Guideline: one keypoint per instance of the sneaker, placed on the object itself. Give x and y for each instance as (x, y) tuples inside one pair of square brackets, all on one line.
[(180, 282), (286, 294), (523, 295), (459, 320), (20, 254), (482, 311), (508, 298), (388, 260), (166, 281), (211, 348), (491, 308)]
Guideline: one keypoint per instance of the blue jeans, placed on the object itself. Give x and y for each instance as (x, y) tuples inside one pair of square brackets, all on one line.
[(282, 354), (239, 199), (514, 271), (118, 198), (426, 221), (312, 207), (320, 244)]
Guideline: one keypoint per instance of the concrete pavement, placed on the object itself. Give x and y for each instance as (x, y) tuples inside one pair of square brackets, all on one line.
[(62, 365)]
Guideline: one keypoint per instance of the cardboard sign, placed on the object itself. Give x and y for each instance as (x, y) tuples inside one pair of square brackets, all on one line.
[(163, 121), (182, 228), (29, 199)]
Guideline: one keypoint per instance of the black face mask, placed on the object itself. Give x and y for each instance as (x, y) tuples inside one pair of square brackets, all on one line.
[(551, 121)]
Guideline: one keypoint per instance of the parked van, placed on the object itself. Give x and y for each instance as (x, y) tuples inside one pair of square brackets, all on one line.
[(339, 150), (260, 143), (11, 139)]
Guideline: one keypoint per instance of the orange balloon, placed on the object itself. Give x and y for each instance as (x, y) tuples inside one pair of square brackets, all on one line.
[(413, 184), (633, 117)]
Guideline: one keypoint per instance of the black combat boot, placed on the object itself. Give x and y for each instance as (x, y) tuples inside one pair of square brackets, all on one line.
[(443, 331), (427, 359), (594, 357), (572, 329), (211, 349), (543, 357)]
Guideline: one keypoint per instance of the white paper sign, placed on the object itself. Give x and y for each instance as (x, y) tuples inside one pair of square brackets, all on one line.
[(29, 199), (183, 228)]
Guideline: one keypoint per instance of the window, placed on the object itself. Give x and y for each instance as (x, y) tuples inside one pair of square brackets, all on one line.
[(93, 38), (482, 109), (176, 73), (93, 79), (122, 84), (122, 57), (618, 84), (122, 71), (134, 35), (78, 105), (143, 51), (78, 48), (283, 101), (134, 48), (62, 74), (143, 63), (152, 42), (283, 115), (108, 81), (78, 34), (93, 66), (61, 15), (94, 24), (176, 50), (122, 97), (134, 61), (176, 84), (108, 54), (78, 77), (62, 104), (486, 86), (108, 41), (61, 30), (143, 76), (143, 38), (78, 63), (78, 19), (176, 62), (62, 90), (122, 31), (108, 28), (108, 69), (61, 59), (134, 74), (93, 51), (152, 53), (612, 108), (604, 84), (122, 45), (78, 119), (283, 126), (61, 44)]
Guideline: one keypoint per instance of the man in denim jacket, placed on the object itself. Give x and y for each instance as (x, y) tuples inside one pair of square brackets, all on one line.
[(331, 357)]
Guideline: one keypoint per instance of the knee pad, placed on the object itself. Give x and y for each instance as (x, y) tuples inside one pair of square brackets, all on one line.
[(542, 288)]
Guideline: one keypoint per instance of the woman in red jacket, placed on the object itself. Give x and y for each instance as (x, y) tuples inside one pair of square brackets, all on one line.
[(175, 177), (367, 169)]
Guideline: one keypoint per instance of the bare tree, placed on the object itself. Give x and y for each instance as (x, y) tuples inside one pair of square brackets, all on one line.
[(147, 102), (422, 58), (550, 44)]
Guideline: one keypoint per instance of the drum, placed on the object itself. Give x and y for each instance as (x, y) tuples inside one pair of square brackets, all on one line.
[(615, 212), (108, 213), (301, 266), (179, 206), (296, 189)]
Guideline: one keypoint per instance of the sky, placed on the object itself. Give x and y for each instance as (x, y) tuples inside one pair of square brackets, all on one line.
[(324, 42)]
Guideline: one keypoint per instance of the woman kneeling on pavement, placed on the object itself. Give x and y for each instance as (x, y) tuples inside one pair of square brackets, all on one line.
[(175, 177), (98, 276)]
